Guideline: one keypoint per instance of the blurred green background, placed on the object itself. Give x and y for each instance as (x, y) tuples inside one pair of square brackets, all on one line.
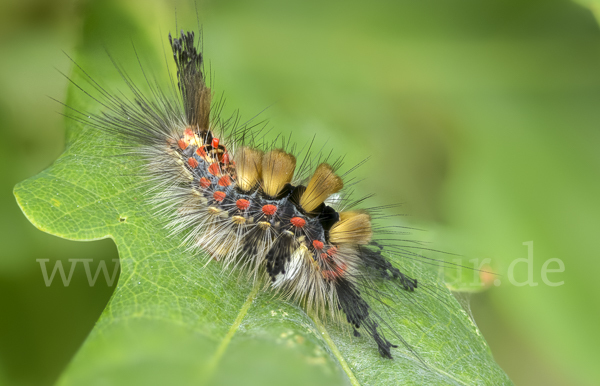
[(481, 117)]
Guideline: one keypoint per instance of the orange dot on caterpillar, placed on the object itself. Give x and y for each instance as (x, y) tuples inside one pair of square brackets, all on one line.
[(224, 181), (204, 182), (269, 210), (298, 222), (214, 169), (242, 204), (219, 196)]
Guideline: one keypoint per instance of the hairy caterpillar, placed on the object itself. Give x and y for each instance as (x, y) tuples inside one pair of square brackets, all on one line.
[(251, 205)]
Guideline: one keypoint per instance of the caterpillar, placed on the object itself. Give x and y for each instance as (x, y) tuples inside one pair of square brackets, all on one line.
[(250, 204)]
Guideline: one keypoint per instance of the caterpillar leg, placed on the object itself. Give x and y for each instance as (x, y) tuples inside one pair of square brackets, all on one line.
[(358, 315), (373, 259)]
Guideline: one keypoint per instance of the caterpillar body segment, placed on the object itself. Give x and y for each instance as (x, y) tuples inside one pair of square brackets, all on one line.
[(311, 254), (247, 206)]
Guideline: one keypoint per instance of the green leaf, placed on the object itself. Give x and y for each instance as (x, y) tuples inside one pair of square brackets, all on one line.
[(173, 320), (593, 5)]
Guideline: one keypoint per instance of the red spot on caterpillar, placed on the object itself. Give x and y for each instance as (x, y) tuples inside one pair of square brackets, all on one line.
[(318, 244), (219, 196), (341, 268), (192, 162), (224, 181), (298, 222), (242, 204), (338, 271), (201, 152), (188, 133), (332, 251), (225, 159), (204, 182), (215, 143), (269, 210), (214, 169), (183, 144)]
